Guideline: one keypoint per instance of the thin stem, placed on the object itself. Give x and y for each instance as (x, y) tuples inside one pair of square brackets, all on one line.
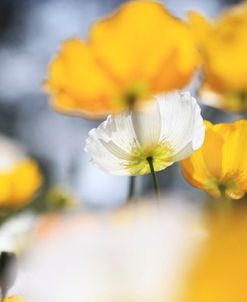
[(8, 271), (154, 177), (3, 295), (131, 100), (132, 181)]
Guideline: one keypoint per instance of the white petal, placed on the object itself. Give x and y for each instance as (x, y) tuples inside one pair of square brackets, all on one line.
[(118, 129), (123, 141), (182, 124), (110, 144), (147, 124), (102, 157)]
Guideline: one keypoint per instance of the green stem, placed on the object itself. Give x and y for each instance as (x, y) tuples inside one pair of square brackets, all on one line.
[(154, 177), (131, 100), (132, 181)]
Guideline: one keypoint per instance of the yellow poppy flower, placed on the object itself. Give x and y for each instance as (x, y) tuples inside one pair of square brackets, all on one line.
[(223, 45), (220, 272), (20, 177), (220, 166), (138, 51)]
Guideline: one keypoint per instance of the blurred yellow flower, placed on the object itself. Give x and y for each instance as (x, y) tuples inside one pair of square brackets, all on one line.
[(223, 45), (14, 299), (220, 272), (140, 50), (219, 166), (20, 177)]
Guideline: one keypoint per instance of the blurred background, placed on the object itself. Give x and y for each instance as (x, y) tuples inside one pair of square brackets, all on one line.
[(119, 253), (30, 35)]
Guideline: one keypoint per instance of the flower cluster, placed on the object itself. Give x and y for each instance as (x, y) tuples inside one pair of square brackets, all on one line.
[(124, 62), (132, 70)]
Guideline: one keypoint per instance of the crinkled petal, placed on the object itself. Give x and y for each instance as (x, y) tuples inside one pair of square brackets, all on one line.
[(182, 124), (110, 144)]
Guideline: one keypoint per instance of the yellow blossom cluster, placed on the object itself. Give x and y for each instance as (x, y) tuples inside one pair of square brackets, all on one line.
[(124, 61)]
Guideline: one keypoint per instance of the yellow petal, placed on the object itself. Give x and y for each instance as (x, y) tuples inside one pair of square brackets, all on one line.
[(138, 51), (220, 163), (200, 26), (5, 185), (212, 151), (220, 272), (26, 181), (201, 168), (143, 42), (79, 84), (14, 299), (234, 159), (19, 185), (223, 47)]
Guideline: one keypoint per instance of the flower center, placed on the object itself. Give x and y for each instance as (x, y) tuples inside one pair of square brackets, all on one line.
[(237, 100), (225, 188), (132, 95), (161, 155)]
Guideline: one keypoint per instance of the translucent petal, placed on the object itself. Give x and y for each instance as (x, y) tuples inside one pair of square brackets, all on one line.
[(170, 129), (147, 124), (181, 123)]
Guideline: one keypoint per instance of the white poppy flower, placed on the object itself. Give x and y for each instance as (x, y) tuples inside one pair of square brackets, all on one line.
[(170, 130)]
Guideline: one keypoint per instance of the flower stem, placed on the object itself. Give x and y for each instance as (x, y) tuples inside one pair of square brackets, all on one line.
[(8, 271), (154, 177), (131, 100), (132, 181)]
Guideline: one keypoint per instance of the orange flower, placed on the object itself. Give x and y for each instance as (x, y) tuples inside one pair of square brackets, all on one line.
[(219, 166), (223, 45), (138, 51)]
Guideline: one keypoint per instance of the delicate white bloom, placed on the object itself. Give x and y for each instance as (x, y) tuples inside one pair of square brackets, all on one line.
[(170, 130)]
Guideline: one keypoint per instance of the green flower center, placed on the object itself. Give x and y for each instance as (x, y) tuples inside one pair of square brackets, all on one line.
[(160, 153), (133, 94), (237, 100), (224, 188)]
